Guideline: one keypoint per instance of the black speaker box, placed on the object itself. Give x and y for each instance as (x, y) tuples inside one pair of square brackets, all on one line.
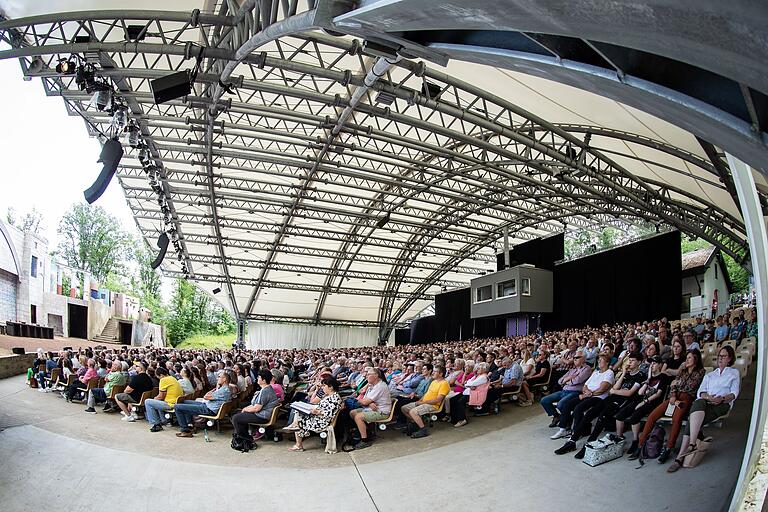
[(162, 244), (111, 153), (18, 351), (170, 87)]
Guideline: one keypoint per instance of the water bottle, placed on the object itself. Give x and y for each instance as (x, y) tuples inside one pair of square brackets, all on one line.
[(205, 434)]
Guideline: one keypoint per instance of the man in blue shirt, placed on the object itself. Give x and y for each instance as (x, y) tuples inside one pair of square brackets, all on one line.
[(722, 330), (511, 379), (213, 400)]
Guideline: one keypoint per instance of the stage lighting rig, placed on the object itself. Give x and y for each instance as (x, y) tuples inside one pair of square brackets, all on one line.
[(133, 135), (66, 67)]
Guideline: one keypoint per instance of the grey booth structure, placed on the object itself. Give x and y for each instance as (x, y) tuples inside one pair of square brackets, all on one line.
[(521, 289)]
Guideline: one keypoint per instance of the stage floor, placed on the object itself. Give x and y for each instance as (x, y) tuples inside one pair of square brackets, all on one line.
[(32, 344), (51, 448)]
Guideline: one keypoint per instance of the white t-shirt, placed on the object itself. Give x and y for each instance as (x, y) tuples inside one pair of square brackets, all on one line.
[(379, 393), (598, 378)]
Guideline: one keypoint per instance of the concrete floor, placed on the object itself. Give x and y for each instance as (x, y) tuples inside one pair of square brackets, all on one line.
[(52, 449)]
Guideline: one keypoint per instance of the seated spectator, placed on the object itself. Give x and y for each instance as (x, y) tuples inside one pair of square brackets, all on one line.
[(409, 384), (85, 374), (689, 338), (321, 416), (681, 393), (510, 379), (722, 330), (578, 414), (260, 411), (649, 396), (115, 377), (186, 384), (475, 383), (169, 391), (738, 327), (430, 402), (50, 363), (376, 405), (137, 386), (591, 352), (418, 393), (623, 392), (716, 395), (539, 375), (572, 384), (209, 405), (676, 358)]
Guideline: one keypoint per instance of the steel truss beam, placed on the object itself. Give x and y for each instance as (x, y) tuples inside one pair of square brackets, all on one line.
[(212, 278), (470, 163)]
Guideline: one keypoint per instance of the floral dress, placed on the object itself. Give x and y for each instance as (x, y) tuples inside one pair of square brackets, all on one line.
[(328, 408)]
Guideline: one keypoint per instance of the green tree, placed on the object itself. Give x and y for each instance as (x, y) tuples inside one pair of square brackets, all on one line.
[(193, 312), (29, 222), (93, 240)]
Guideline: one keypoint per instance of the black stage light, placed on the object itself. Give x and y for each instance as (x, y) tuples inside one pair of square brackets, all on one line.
[(111, 153), (135, 32), (66, 67), (170, 87), (162, 244), (382, 221), (102, 98), (132, 135), (216, 290)]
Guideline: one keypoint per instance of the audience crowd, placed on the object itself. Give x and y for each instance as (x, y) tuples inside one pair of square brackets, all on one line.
[(620, 378)]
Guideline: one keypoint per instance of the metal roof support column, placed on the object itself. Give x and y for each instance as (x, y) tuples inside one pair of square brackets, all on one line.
[(758, 247)]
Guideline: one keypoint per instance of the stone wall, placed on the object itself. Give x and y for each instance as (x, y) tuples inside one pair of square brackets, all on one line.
[(15, 365)]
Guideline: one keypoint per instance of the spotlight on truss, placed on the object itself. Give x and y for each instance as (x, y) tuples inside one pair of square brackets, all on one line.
[(132, 135), (216, 290), (111, 153), (66, 67), (162, 244)]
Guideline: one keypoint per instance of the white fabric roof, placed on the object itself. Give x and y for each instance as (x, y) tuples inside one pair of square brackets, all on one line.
[(314, 274)]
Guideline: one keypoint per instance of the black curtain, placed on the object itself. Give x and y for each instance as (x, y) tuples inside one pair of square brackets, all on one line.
[(540, 252), (402, 336), (423, 330), (640, 281), (452, 320), (493, 327)]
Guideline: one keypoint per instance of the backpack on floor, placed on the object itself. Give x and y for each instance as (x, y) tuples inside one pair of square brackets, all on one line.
[(242, 443), (653, 444)]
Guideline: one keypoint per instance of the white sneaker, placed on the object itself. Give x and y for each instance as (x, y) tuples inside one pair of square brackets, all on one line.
[(41, 390), (130, 419), (561, 432)]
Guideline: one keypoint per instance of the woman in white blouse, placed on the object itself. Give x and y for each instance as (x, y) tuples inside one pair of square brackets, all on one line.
[(716, 395)]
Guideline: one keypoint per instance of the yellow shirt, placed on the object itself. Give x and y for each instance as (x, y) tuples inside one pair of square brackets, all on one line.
[(436, 388), (172, 390)]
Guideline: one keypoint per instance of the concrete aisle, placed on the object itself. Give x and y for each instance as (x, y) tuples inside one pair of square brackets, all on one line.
[(52, 449)]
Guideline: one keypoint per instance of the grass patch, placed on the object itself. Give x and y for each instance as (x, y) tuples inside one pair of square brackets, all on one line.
[(210, 341)]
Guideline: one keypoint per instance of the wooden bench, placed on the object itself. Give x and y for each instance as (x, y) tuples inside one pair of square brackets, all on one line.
[(147, 395), (224, 411), (262, 427)]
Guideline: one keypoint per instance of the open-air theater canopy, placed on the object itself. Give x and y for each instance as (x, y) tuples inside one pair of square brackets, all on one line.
[(337, 163)]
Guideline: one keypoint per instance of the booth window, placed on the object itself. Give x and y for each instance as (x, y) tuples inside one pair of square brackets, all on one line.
[(33, 270), (506, 289), (525, 284), (483, 293)]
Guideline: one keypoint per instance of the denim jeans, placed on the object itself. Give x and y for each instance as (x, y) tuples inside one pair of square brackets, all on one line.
[(154, 409), (184, 412), (560, 397)]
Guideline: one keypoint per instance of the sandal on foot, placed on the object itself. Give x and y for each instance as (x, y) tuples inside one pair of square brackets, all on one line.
[(675, 466), (295, 448)]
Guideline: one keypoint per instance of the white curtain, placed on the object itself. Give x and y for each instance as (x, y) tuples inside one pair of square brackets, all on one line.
[(268, 335)]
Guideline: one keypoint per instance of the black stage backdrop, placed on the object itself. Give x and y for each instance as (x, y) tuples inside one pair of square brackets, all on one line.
[(540, 252), (402, 336), (452, 321), (423, 330), (640, 281)]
